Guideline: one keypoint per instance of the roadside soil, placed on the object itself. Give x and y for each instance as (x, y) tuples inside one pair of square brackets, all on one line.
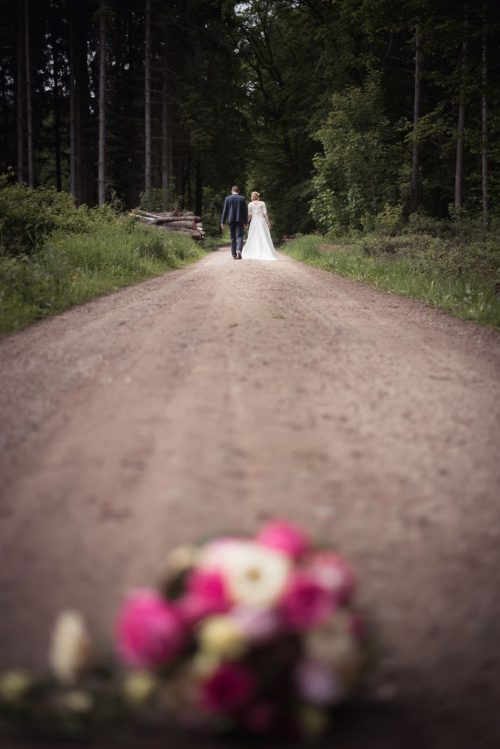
[(226, 393)]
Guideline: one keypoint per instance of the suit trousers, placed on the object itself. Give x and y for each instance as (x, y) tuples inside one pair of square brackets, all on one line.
[(236, 230)]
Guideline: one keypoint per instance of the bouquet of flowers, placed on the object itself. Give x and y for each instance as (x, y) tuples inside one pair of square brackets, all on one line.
[(249, 635)]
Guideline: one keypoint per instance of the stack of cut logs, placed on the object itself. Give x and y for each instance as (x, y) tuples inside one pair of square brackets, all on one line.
[(184, 222)]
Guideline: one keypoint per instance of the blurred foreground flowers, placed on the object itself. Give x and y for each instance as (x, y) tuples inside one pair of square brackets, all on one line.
[(243, 635)]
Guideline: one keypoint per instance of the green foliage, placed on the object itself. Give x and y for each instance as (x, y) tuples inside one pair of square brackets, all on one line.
[(461, 277), (156, 199), (357, 172), (212, 209), (28, 216), (390, 220), (94, 252)]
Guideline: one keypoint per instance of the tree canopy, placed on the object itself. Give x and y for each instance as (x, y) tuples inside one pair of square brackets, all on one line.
[(334, 110)]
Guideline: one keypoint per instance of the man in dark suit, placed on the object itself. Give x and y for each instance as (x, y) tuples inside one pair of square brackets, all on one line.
[(236, 214)]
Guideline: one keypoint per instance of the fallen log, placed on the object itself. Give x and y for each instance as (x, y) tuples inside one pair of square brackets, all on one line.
[(148, 220), (167, 216), (181, 222)]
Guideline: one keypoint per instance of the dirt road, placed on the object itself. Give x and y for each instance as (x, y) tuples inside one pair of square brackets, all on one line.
[(229, 392)]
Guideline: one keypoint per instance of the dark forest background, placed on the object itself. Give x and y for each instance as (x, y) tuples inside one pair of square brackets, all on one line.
[(337, 111)]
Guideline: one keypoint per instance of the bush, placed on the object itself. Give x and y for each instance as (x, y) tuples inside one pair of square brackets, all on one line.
[(390, 220), (355, 174), (28, 216), (478, 262), (376, 245), (419, 223)]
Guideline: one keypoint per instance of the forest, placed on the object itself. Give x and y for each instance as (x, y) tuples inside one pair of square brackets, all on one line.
[(331, 109), (348, 116)]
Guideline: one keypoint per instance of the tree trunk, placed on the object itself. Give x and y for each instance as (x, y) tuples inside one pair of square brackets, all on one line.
[(165, 171), (188, 187), (5, 128), (484, 124), (415, 162), (85, 173), (29, 111), (72, 103), (101, 167), (147, 100), (459, 164), (20, 92), (198, 193), (57, 117), (81, 186)]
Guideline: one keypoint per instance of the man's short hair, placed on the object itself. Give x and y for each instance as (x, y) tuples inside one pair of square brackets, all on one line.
[(235, 188)]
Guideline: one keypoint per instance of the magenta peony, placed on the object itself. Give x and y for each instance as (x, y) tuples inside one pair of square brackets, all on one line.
[(284, 537), (228, 690), (334, 573), (206, 595), (150, 631), (306, 603)]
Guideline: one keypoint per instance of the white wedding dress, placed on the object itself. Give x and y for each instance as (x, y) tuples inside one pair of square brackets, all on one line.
[(259, 245)]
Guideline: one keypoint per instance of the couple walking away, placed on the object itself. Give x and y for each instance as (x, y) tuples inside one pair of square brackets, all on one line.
[(259, 245)]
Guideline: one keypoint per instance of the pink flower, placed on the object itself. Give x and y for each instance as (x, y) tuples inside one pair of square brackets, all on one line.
[(258, 624), (228, 690), (206, 595), (334, 573), (306, 602), (284, 537), (316, 683), (149, 630)]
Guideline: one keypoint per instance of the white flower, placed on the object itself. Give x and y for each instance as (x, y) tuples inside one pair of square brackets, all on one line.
[(71, 649), (255, 575), (222, 637), (14, 685), (78, 701), (138, 687), (217, 554)]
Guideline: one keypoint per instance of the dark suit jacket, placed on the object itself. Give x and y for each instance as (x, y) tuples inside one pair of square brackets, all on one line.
[(235, 210)]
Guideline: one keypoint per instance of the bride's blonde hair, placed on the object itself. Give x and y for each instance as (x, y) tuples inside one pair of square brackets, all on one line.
[(255, 196)]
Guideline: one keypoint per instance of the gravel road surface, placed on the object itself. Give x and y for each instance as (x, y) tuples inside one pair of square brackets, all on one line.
[(226, 393)]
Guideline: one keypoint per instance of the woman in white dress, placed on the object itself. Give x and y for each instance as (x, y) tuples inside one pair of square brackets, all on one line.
[(259, 245)]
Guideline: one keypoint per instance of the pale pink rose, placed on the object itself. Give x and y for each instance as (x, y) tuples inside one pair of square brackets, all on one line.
[(285, 537), (206, 595), (316, 683), (260, 717), (306, 602), (228, 690), (149, 630), (334, 573), (258, 624)]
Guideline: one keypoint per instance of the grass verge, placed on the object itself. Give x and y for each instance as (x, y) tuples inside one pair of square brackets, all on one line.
[(73, 267), (413, 268)]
